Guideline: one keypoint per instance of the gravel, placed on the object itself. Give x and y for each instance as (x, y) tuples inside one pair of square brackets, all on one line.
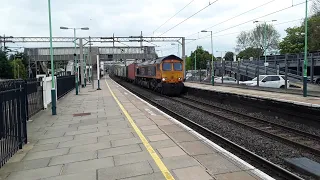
[(266, 115), (270, 149)]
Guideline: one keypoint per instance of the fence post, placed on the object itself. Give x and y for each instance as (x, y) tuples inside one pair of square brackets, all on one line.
[(238, 73), (25, 114), (311, 68), (258, 73), (18, 109), (26, 98), (286, 71)]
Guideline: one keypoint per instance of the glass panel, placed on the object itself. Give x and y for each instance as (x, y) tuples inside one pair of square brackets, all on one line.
[(177, 66), (275, 78), (166, 66), (260, 78)]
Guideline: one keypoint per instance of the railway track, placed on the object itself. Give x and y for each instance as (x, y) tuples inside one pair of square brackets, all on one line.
[(259, 162), (291, 136)]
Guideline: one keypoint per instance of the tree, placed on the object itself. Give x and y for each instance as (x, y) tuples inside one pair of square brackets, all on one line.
[(202, 58), (243, 40), (315, 8), (313, 33), (5, 66), (250, 52), (293, 42), (256, 38), (229, 56), (18, 69)]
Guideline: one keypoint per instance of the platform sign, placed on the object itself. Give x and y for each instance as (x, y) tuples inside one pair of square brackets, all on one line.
[(266, 64)]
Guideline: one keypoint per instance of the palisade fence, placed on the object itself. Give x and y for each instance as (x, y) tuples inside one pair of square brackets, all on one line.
[(20, 100), (64, 85), (13, 122)]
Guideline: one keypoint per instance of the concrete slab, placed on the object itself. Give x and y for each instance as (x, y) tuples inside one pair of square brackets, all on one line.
[(152, 132), (153, 176), (90, 147), (44, 154), (17, 157), (83, 141), (124, 171), (119, 150), (171, 128), (150, 127), (93, 134), (192, 173), (120, 130), (90, 165), (84, 123), (90, 126), (163, 122), (51, 135), (132, 158), (54, 140), (3, 176), (25, 165), (125, 142), (196, 148), (162, 144), (84, 131), (171, 151), (182, 136), (115, 137), (216, 164), (119, 124), (235, 176), (90, 175), (73, 158), (176, 162), (33, 174), (44, 147), (159, 137)]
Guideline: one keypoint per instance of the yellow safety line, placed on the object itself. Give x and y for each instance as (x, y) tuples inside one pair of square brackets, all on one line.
[(145, 142)]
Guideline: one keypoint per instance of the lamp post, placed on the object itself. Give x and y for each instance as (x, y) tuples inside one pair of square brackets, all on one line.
[(212, 65), (75, 54), (53, 90), (305, 62), (265, 42)]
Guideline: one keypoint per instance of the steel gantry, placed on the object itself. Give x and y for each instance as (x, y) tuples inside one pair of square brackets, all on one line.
[(112, 39)]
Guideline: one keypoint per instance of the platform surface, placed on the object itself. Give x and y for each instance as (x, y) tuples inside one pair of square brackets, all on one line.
[(288, 98), (106, 143)]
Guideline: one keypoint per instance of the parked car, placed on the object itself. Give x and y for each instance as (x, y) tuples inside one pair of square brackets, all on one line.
[(272, 81), (226, 79)]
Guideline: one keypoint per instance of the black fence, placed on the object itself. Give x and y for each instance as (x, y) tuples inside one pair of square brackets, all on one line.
[(34, 96), (19, 100), (64, 85), (13, 122)]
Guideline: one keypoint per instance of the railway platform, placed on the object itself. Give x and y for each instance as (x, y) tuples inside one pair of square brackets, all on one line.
[(112, 134), (252, 93)]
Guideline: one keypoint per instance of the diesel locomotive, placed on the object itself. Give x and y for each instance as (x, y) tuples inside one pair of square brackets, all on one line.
[(164, 75)]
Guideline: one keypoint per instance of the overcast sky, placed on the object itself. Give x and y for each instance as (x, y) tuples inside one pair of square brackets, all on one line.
[(129, 17)]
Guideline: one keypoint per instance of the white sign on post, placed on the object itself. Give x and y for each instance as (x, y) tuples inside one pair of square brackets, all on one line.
[(266, 64)]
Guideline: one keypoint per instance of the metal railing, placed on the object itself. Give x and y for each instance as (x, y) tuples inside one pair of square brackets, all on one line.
[(13, 122), (65, 84), (34, 96)]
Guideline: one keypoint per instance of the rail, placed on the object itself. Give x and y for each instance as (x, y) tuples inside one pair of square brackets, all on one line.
[(252, 158)]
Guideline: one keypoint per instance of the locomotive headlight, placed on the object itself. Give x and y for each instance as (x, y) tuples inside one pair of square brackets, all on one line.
[(164, 79), (179, 78)]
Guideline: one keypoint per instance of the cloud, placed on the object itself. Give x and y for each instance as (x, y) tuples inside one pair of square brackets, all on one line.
[(129, 17)]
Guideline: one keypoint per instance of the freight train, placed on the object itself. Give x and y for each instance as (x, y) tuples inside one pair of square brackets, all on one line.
[(164, 75)]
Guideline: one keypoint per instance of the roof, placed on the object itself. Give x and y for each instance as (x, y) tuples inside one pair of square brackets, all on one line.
[(159, 60)]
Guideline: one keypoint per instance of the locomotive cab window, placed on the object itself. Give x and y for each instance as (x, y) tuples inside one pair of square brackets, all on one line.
[(166, 67), (177, 66)]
